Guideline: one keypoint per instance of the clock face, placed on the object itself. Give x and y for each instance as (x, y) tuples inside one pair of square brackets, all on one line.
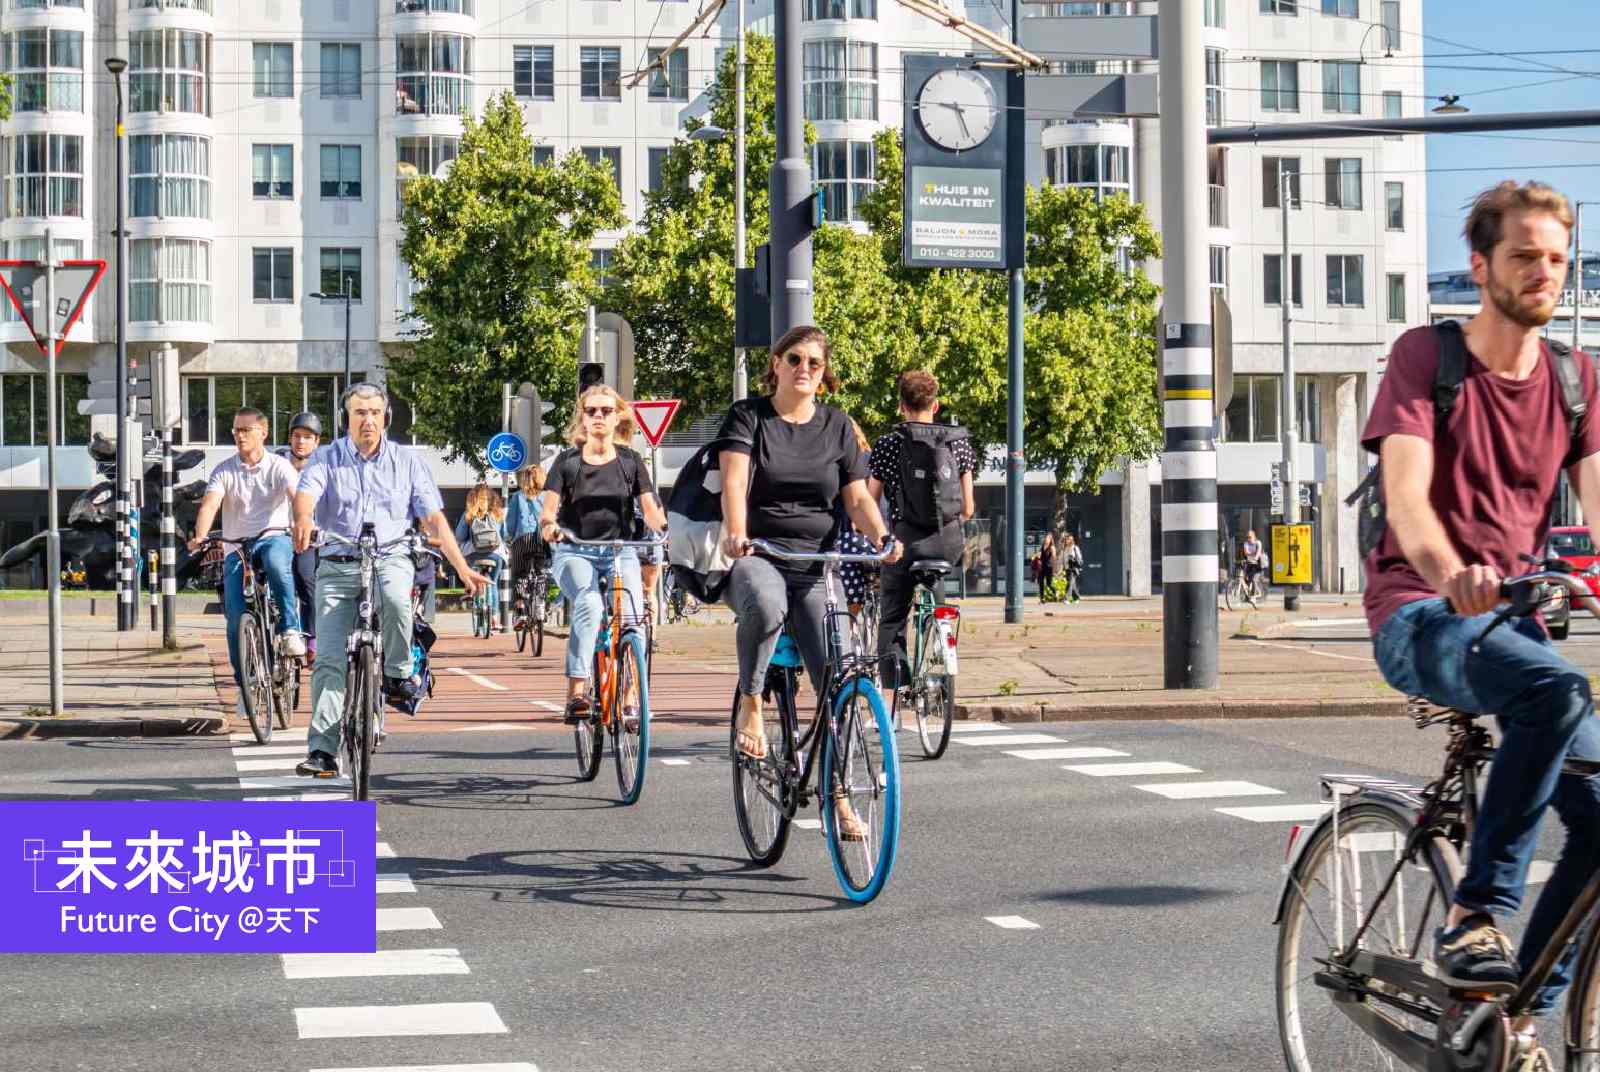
[(958, 109)]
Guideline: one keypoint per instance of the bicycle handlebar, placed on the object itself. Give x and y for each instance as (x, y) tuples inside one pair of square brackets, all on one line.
[(567, 536), (217, 537), (1525, 593), (320, 538), (835, 558)]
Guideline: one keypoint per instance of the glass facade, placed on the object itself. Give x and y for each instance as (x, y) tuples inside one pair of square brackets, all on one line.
[(46, 69), (433, 74), (169, 71), (841, 80), (845, 172), (45, 175), (169, 280), (169, 175)]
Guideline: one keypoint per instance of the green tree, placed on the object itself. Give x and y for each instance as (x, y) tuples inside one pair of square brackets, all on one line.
[(500, 251)]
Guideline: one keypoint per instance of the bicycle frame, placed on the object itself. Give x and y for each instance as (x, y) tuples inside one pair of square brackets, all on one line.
[(616, 625)]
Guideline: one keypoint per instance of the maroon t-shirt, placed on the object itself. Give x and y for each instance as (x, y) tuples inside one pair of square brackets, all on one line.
[(1494, 471)]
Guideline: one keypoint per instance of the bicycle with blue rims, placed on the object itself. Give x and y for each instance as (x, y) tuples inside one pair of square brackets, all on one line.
[(619, 686), (849, 746)]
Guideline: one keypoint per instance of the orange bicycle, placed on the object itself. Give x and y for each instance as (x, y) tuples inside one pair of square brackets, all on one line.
[(619, 687)]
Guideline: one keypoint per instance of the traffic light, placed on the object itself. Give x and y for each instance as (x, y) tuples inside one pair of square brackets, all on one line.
[(528, 411), (590, 374)]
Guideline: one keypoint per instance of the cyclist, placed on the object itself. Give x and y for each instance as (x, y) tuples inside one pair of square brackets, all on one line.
[(363, 477), (481, 532), (252, 490), (1465, 497), (592, 491), (786, 458), (305, 436), (916, 466), (1252, 557), (522, 530), (1072, 561)]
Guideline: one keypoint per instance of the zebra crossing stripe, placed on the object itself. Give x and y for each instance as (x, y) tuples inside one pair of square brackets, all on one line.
[(1067, 753), (1204, 790), (379, 1021), (1278, 813), (383, 962), (1012, 738), (1128, 770), (408, 919), (396, 883), (1012, 923), (499, 1066)]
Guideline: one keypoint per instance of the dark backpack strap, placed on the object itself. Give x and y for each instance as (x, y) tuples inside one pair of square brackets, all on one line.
[(1367, 481), (1570, 378), (1451, 373)]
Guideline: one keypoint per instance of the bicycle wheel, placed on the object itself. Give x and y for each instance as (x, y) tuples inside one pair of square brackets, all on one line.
[(1258, 588), (1583, 1015), (936, 710), (1321, 1030), (524, 630), (587, 735), (538, 638), (866, 771), (1232, 594), (256, 687), (630, 730), (289, 699), (360, 706), (760, 786)]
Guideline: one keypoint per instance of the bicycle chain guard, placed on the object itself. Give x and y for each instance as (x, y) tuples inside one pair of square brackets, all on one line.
[(1473, 1036)]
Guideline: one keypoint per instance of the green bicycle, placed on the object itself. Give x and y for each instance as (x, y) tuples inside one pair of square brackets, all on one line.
[(935, 629)]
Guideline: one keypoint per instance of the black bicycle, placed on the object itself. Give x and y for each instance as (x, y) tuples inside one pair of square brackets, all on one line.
[(534, 596), (270, 685), (1368, 886)]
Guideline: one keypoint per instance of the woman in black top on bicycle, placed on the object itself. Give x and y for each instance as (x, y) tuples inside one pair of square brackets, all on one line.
[(786, 458)]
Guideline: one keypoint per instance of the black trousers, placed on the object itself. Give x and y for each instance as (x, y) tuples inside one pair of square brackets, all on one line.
[(894, 599), (305, 590)]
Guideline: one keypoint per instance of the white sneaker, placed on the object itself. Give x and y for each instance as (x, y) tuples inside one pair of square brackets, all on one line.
[(293, 644)]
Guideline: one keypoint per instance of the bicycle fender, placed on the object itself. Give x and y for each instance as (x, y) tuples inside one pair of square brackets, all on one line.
[(1306, 835), (946, 648)]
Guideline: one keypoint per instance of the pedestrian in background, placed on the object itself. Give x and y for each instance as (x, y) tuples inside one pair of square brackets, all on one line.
[(1047, 568), (1072, 561)]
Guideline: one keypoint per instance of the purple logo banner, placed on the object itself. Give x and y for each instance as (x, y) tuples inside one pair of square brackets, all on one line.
[(188, 876)]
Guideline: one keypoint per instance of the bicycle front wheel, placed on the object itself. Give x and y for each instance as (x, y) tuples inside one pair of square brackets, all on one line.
[(1330, 894), (1232, 593), (361, 700), (631, 728), (861, 772), (760, 786), (256, 687), (587, 736)]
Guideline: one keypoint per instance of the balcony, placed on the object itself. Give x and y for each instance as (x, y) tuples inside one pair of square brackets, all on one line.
[(1217, 205)]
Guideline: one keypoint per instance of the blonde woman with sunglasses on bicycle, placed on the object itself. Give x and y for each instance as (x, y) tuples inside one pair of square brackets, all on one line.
[(591, 491)]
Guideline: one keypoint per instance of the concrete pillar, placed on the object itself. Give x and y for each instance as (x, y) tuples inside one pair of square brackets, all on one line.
[(1339, 549), (1135, 530)]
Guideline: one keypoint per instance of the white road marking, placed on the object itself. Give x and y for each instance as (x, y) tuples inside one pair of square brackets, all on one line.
[(1067, 753), (477, 679), (1012, 738), (1013, 923), (1279, 813), (1312, 651), (501, 1066), (1318, 623), (408, 919), (395, 883), (383, 962), (674, 762), (1127, 770), (271, 750), (548, 706), (385, 850), (491, 726), (808, 824), (1539, 871), (304, 796), (976, 727), (293, 781), (293, 733), (271, 762), (1206, 790), (377, 1021)]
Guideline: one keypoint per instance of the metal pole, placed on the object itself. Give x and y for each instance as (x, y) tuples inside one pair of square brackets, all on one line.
[(344, 291), (53, 540), (1189, 459), (151, 564), (789, 182), (503, 578), (741, 373), (1577, 275), (126, 588), (1016, 460), (169, 541), (1289, 415)]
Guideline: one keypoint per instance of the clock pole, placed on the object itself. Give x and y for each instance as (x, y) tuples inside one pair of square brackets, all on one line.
[(1016, 464), (789, 182)]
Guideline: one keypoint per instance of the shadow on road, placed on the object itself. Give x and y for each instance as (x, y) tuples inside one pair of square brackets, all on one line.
[(1137, 896)]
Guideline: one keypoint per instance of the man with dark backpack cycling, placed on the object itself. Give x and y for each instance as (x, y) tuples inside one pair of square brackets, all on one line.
[(924, 470), (1474, 425)]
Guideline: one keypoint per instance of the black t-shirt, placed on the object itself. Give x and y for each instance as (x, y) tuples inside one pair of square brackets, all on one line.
[(797, 470), (597, 500)]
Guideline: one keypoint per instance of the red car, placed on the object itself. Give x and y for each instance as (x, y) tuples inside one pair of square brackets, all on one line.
[(1574, 544)]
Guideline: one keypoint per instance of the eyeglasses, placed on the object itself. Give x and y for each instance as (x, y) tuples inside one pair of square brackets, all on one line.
[(599, 411), (815, 364)]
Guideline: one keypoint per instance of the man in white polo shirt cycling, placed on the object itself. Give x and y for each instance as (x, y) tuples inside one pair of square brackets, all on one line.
[(254, 491)]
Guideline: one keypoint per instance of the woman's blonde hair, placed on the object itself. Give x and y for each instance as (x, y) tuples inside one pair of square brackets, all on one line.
[(862, 442), (530, 480), (483, 499), (625, 423)]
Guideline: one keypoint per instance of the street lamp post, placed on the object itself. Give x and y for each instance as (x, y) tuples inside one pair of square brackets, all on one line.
[(741, 375), (343, 295), (126, 589)]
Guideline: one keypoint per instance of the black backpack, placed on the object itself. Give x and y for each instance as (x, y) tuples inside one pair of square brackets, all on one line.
[(930, 479), (1447, 379), (694, 526)]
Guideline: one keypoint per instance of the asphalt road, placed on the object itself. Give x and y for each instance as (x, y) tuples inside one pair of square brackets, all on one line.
[(584, 936)]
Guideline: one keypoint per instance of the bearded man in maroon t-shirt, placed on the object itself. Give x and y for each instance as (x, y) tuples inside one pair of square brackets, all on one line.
[(1463, 503)]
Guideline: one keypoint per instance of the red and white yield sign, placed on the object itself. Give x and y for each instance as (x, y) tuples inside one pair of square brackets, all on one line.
[(654, 416), (24, 283)]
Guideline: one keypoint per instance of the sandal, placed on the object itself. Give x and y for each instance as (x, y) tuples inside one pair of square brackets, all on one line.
[(577, 710), (751, 744), (849, 824)]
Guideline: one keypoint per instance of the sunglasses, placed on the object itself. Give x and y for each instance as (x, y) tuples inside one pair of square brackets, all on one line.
[(599, 411), (815, 364)]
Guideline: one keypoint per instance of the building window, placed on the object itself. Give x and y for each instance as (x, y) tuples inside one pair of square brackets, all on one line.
[(341, 172), (1101, 168), (657, 155), (1280, 86), (1341, 86), (137, 5), (1397, 298), (600, 261), (544, 155), (1215, 110), (841, 80), (533, 71), (272, 274), (169, 280), (845, 173), (1344, 182), (405, 288), (273, 67), (421, 155), (341, 70), (272, 172), (1252, 414), (600, 73), (46, 175), (169, 71), (1272, 279), (25, 410), (211, 401), (40, 5), (1274, 169), (169, 175), (1344, 9), (1391, 110), (46, 68), (433, 74), (670, 81), (341, 268), (1389, 17), (1219, 269), (1216, 14), (1344, 280), (1394, 201), (445, 7), (610, 156), (1280, 7), (817, 10)]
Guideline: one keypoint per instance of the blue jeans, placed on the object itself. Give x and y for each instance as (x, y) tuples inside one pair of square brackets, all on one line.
[(584, 574), (1545, 713), (273, 559)]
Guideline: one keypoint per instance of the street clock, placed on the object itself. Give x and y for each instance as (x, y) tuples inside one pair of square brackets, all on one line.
[(958, 109)]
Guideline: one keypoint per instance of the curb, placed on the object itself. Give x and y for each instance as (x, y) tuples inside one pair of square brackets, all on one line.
[(17, 729), (1179, 711)]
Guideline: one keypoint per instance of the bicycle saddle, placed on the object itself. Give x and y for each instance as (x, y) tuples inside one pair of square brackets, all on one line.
[(937, 566)]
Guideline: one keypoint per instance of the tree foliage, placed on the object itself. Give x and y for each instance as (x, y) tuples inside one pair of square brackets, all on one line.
[(500, 252)]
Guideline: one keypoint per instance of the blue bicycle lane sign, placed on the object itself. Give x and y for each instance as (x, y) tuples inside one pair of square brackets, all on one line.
[(507, 452)]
